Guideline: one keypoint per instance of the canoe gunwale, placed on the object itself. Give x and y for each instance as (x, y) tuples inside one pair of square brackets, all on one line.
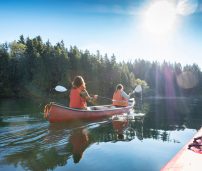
[(107, 107), (92, 110)]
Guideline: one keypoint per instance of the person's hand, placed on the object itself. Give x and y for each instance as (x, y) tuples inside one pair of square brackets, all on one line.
[(93, 99), (95, 96)]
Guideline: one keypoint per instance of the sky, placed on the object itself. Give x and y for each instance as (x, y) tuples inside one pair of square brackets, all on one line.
[(154, 30)]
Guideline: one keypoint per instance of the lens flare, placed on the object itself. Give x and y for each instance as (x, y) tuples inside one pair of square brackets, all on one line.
[(187, 80)]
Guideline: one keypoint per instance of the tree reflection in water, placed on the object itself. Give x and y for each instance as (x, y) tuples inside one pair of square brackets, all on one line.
[(53, 145)]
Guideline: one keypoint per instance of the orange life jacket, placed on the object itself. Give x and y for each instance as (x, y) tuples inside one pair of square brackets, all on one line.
[(76, 101), (118, 100)]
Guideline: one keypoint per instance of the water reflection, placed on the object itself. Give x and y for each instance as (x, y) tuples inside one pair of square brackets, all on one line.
[(79, 141), (27, 140), (127, 127), (64, 142), (173, 113), (119, 124)]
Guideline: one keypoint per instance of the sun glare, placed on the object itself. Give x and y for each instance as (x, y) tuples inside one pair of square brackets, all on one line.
[(160, 17)]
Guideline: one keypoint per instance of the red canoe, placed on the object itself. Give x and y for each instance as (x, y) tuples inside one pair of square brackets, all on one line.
[(187, 159), (57, 113)]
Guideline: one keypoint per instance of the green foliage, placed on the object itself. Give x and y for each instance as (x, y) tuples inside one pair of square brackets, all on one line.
[(31, 67), (5, 88), (17, 50)]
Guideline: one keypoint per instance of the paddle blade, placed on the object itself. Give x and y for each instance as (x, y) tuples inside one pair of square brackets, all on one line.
[(60, 88), (138, 89)]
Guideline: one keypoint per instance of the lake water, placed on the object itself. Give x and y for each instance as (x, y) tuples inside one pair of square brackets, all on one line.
[(144, 142)]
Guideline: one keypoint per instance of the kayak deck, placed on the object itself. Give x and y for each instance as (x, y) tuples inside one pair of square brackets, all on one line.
[(186, 159)]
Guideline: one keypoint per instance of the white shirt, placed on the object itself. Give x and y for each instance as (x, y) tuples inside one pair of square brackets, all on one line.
[(123, 94)]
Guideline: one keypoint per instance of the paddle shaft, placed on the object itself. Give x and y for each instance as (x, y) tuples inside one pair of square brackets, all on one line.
[(63, 89), (104, 97), (110, 99)]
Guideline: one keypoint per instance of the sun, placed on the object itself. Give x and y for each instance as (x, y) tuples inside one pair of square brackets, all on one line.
[(160, 17)]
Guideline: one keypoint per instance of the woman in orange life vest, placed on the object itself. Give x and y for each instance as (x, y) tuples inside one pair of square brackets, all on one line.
[(120, 98), (79, 95)]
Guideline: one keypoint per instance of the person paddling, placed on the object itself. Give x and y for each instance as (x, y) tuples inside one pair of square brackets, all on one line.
[(79, 95), (120, 98)]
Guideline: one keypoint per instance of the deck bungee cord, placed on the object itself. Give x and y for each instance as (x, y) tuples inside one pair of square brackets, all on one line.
[(196, 145)]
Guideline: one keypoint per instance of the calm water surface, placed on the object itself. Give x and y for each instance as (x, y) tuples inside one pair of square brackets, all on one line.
[(142, 142)]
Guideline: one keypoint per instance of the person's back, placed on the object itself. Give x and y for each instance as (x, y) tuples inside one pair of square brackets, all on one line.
[(120, 98), (76, 101), (78, 94)]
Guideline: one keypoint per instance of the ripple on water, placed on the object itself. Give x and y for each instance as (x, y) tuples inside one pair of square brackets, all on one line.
[(21, 132)]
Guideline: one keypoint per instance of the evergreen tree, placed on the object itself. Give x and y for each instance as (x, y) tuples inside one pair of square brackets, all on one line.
[(31, 67)]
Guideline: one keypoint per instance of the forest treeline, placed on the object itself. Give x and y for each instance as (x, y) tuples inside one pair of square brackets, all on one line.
[(31, 67)]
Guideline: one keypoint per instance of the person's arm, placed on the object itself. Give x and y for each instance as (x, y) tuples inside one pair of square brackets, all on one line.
[(84, 94), (123, 94)]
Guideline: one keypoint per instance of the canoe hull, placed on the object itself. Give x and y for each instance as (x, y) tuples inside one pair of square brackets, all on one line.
[(58, 113), (185, 159)]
